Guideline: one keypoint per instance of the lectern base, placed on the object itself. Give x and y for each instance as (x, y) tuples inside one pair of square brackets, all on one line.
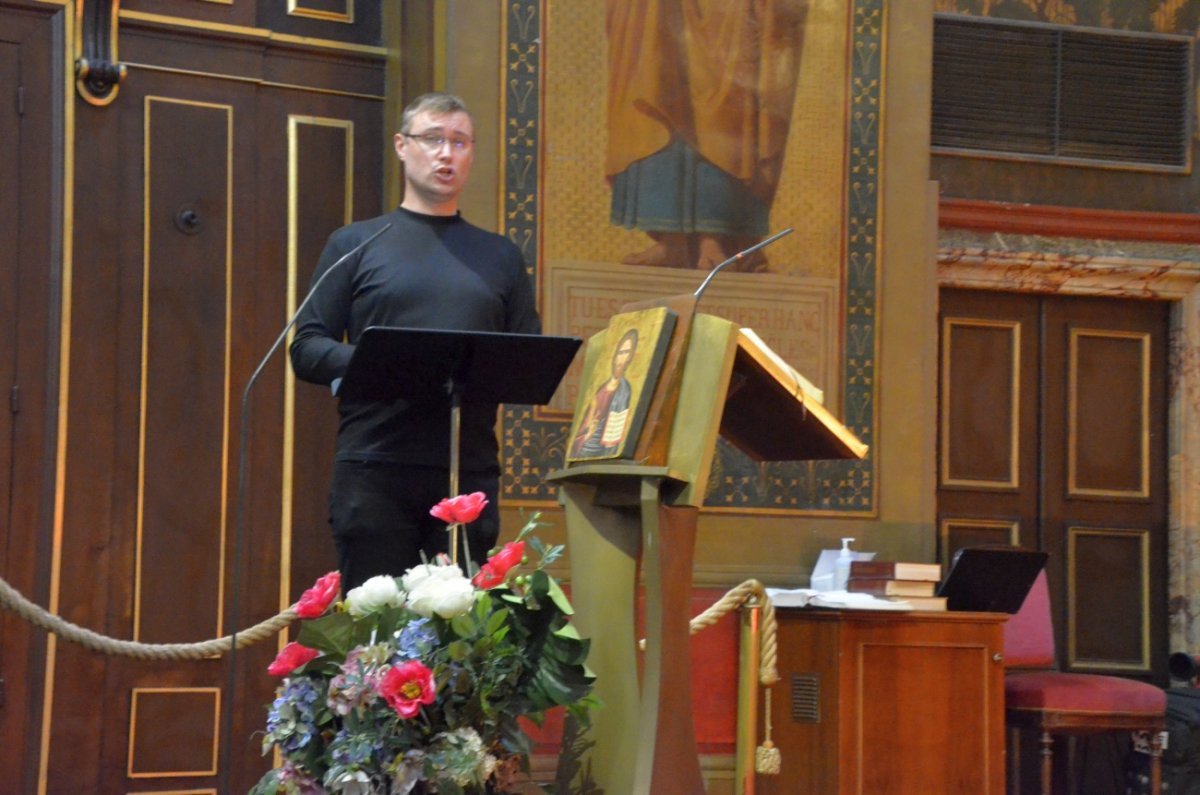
[(644, 736)]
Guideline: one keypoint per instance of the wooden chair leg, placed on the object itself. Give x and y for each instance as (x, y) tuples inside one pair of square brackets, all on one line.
[(1014, 761), (1156, 762), (1047, 763)]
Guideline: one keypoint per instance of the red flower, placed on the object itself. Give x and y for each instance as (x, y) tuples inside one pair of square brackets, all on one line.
[(290, 658), (496, 569), (316, 599), (464, 508), (406, 687)]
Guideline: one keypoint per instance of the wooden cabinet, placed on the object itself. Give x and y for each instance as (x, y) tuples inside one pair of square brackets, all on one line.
[(888, 703)]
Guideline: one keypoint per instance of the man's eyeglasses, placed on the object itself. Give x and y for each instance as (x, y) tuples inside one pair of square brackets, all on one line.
[(433, 142)]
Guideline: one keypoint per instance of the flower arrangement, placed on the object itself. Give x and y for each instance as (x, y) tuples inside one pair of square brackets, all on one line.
[(416, 683)]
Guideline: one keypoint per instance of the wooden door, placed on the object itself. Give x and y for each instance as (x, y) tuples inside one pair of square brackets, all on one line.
[(1052, 436), (30, 270), (203, 194)]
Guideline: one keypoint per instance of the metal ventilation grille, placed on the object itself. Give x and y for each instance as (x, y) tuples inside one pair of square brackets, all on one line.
[(806, 698), (1051, 92)]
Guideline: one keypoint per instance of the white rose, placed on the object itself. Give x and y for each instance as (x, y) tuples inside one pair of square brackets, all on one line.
[(413, 577), (438, 589), (374, 595)]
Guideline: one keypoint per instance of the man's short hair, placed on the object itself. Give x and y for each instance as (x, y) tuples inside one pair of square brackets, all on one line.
[(437, 102)]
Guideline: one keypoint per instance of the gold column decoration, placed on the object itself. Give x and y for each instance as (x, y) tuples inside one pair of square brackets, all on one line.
[(98, 74)]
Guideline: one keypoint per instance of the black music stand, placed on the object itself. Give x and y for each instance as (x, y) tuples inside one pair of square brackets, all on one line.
[(466, 366)]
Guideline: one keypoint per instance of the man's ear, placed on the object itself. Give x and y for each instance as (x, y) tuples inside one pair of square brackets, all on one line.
[(398, 142)]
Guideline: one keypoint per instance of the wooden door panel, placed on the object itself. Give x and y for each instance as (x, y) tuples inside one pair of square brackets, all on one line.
[(1104, 492), (982, 401), (9, 185), (322, 150), (30, 269), (184, 383), (1108, 627), (1108, 437), (988, 422)]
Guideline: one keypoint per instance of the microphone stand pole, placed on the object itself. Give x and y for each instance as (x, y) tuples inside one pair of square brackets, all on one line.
[(455, 440)]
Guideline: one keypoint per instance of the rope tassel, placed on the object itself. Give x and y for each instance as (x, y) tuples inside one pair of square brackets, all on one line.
[(767, 759)]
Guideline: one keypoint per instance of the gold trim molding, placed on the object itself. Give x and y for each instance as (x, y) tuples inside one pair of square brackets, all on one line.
[(136, 693), (1073, 402), (1142, 536), (1014, 401)]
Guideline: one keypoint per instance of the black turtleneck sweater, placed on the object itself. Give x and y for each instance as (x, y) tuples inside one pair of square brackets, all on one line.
[(438, 272)]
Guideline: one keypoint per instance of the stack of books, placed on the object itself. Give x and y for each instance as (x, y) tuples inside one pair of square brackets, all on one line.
[(898, 580)]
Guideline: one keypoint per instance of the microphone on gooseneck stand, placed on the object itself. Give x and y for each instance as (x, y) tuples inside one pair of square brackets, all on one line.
[(234, 577), (738, 256)]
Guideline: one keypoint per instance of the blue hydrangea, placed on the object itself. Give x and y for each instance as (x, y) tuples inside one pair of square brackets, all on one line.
[(416, 640), (291, 721)]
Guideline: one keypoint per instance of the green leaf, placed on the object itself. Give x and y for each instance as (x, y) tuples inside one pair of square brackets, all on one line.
[(332, 633), (560, 599), (458, 650), (496, 621), (464, 626)]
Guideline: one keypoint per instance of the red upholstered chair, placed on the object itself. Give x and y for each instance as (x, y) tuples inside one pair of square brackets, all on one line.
[(1057, 703)]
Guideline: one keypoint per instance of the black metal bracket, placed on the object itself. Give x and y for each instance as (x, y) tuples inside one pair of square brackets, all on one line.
[(98, 73)]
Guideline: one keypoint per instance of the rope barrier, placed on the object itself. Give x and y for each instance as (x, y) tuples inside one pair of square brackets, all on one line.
[(38, 616), (767, 756)]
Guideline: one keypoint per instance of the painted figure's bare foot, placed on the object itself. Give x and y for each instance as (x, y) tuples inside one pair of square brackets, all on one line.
[(667, 251), (709, 252)]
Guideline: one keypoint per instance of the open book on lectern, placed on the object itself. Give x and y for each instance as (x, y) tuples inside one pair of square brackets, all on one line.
[(760, 416)]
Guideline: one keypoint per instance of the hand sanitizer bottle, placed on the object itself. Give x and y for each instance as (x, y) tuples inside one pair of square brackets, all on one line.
[(841, 571)]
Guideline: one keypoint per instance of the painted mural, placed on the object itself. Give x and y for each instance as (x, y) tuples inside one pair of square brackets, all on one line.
[(647, 142), (1158, 16)]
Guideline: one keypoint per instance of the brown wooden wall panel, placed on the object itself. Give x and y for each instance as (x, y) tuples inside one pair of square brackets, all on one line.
[(958, 533), (321, 169), (1109, 418), (173, 732), (1109, 598), (980, 400), (185, 376), (30, 270), (9, 185)]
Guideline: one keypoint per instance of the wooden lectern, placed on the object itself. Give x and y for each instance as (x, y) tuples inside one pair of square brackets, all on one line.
[(636, 517)]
